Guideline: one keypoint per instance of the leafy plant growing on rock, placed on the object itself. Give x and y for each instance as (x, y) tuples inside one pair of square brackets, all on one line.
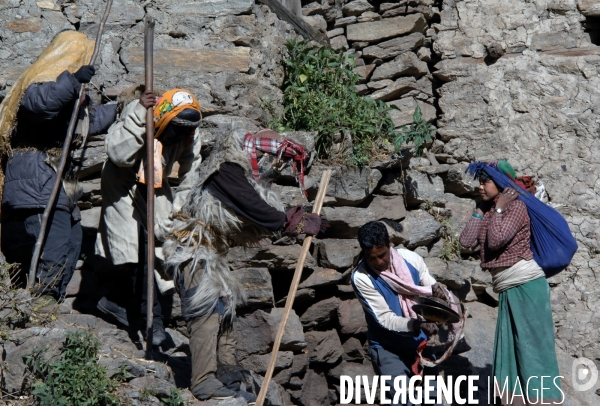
[(76, 379), (419, 133), (320, 95)]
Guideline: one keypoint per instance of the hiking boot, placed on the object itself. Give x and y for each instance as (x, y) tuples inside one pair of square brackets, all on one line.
[(158, 331), (212, 388), (46, 304), (114, 310)]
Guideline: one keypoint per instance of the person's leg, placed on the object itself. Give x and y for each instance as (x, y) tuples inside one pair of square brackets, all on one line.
[(387, 363), (17, 245), (73, 251), (204, 341)]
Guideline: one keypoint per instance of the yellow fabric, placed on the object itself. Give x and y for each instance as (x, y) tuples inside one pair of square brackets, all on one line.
[(167, 107), (69, 50)]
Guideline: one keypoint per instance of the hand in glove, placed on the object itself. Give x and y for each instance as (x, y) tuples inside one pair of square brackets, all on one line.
[(430, 329), (85, 74), (439, 291), (299, 222)]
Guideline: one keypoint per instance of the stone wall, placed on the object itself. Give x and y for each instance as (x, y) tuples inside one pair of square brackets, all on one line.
[(535, 105)]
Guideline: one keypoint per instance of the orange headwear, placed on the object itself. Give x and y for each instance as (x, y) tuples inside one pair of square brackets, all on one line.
[(169, 105)]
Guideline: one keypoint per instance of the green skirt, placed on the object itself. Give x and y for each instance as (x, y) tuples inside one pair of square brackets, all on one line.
[(524, 343)]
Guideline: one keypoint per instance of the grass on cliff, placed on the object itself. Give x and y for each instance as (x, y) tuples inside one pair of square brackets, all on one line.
[(76, 379), (319, 94)]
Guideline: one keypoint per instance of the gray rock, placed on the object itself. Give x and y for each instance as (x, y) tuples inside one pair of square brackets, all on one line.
[(93, 159), (346, 221), (213, 8), (349, 186), (321, 277), (338, 254), (118, 366), (317, 21), (461, 210), (158, 387), (376, 31), (406, 64), (315, 8), (323, 347), (394, 47), (339, 42), (368, 16), (335, 32), (419, 228), (357, 7), (391, 185), (272, 257), (303, 295), (259, 363), (364, 72), (314, 390), (351, 317), (257, 284), (458, 182), (343, 22), (276, 395), (424, 54), (256, 333), (403, 115), (480, 280), (320, 314), (398, 88), (353, 369), (290, 195), (589, 8), (421, 188), (353, 350)]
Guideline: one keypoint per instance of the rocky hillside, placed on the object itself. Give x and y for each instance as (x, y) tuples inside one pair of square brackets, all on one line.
[(515, 80)]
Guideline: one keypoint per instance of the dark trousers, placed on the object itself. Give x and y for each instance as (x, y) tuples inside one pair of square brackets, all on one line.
[(387, 363), (20, 229), (129, 289)]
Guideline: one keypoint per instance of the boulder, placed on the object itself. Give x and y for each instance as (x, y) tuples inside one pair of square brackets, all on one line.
[(320, 313), (321, 277), (257, 284), (256, 332), (419, 228), (377, 31), (272, 257), (421, 188), (391, 185), (406, 64), (259, 363), (276, 395), (364, 72), (349, 186), (357, 7), (396, 89), (353, 350), (314, 390), (394, 47), (458, 182), (323, 347), (461, 211), (338, 254), (351, 317)]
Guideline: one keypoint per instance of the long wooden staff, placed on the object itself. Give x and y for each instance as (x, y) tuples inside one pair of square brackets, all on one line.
[(63, 159), (293, 288), (148, 62)]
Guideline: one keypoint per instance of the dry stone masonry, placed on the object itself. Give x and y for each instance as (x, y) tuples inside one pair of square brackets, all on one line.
[(498, 79)]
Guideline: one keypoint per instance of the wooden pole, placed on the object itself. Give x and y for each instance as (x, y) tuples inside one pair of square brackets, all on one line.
[(148, 62), (293, 288), (63, 160)]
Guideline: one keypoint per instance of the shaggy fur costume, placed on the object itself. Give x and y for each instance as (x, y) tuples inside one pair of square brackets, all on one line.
[(206, 228)]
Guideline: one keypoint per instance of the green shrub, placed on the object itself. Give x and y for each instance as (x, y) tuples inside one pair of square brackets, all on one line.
[(320, 95), (174, 398), (76, 379)]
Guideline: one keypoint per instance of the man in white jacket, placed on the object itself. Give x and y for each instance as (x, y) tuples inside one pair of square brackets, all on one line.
[(122, 235), (393, 335)]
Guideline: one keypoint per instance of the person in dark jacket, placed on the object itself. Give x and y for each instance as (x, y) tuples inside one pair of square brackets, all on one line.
[(40, 127)]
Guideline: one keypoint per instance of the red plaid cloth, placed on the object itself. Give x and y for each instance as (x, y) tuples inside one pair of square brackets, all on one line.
[(282, 149), (504, 238)]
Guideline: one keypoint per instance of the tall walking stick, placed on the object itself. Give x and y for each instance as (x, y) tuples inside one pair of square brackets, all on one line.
[(148, 62), (292, 293), (63, 159)]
